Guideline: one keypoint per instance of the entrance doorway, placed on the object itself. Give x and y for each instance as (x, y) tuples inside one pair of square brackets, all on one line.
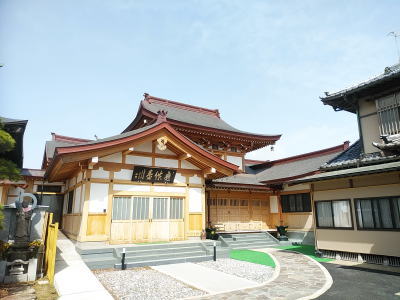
[(147, 219)]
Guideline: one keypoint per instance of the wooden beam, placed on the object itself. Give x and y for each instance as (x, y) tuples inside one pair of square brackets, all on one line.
[(184, 156)]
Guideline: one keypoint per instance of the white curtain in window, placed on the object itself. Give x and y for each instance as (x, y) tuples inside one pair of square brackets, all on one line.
[(384, 206), (324, 213), (341, 213), (366, 214)]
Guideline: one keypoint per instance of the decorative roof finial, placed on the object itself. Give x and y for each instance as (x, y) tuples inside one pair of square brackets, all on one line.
[(162, 116), (145, 95)]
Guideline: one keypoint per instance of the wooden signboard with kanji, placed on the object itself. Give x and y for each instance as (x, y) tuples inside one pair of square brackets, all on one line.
[(159, 175)]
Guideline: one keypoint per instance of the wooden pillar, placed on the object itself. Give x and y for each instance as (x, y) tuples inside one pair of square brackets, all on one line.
[(278, 194), (85, 210)]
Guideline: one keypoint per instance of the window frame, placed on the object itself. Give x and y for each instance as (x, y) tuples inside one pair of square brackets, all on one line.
[(333, 218), (356, 200), (295, 204), (70, 202)]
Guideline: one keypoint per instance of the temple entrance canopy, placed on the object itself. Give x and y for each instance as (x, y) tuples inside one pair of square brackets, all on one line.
[(144, 185)]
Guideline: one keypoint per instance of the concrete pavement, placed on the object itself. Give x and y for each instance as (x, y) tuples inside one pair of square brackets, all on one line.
[(73, 279), (206, 279)]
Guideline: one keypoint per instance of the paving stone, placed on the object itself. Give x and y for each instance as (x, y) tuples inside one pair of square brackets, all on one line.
[(299, 277)]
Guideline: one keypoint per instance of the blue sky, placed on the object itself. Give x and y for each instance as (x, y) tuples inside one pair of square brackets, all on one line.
[(80, 68)]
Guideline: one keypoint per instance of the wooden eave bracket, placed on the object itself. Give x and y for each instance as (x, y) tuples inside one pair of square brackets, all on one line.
[(93, 161)]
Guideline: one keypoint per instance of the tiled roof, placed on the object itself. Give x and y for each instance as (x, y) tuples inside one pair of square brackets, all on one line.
[(281, 170), (250, 179), (353, 157), (349, 172), (191, 115), (392, 71), (11, 121), (32, 172), (294, 168)]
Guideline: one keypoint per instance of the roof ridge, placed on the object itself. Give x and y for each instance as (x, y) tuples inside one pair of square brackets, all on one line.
[(152, 99), (321, 152), (64, 138)]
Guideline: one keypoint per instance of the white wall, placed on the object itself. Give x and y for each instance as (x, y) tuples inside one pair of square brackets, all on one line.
[(123, 174), (168, 163), (138, 160), (100, 173), (169, 189), (179, 178), (195, 180), (187, 165), (145, 147), (195, 200), (77, 201), (131, 188), (115, 158), (98, 199)]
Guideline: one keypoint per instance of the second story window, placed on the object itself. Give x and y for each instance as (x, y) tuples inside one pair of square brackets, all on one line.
[(388, 109)]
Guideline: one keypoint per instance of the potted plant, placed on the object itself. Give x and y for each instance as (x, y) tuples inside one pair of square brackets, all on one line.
[(211, 233), (282, 233)]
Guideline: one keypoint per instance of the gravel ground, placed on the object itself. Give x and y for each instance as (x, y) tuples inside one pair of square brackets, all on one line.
[(250, 271), (144, 283)]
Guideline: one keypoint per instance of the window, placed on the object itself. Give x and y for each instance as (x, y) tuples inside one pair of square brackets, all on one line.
[(378, 213), (49, 188), (244, 203), (296, 203), (333, 214), (388, 109), (214, 147), (176, 208), (70, 202), (233, 149), (234, 202)]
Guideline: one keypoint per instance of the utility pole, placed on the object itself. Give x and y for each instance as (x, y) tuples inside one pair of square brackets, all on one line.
[(396, 35)]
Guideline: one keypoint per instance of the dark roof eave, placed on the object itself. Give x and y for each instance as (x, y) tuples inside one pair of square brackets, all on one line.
[(238, 185), (328, 176)]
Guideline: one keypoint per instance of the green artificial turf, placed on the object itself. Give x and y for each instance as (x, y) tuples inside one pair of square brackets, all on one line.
[(307, 250), (253, 257)]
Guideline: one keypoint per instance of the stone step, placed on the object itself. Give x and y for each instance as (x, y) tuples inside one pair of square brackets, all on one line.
[(158, 262), (252, 247), (266, 244), (137, 252), (152, 256)]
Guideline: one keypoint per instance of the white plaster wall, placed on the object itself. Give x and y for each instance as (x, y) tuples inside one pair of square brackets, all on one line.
[(195, 200), (65, 203), (273, 204), (131, 188), (187, 165), (195, 179), (123, 174), (80, 175), (296, 187), (169, 189), (115, 158), (179, 178), (236, 160), (77, 200), (100, 173), (72, 182), (168, 163), (98, 197), (145, 147), (138, 160), (166, 151), (83, 197)]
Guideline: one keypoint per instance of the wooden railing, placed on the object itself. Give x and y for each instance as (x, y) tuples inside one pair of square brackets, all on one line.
[(50, 246)]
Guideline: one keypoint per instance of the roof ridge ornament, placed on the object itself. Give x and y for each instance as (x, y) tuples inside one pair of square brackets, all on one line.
[(161, 116)]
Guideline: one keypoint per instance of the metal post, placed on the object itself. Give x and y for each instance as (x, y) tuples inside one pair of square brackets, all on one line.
[(123, 265), (215, 251)]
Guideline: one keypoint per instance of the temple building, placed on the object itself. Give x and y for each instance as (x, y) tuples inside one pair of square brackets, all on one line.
[(174, 171)]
